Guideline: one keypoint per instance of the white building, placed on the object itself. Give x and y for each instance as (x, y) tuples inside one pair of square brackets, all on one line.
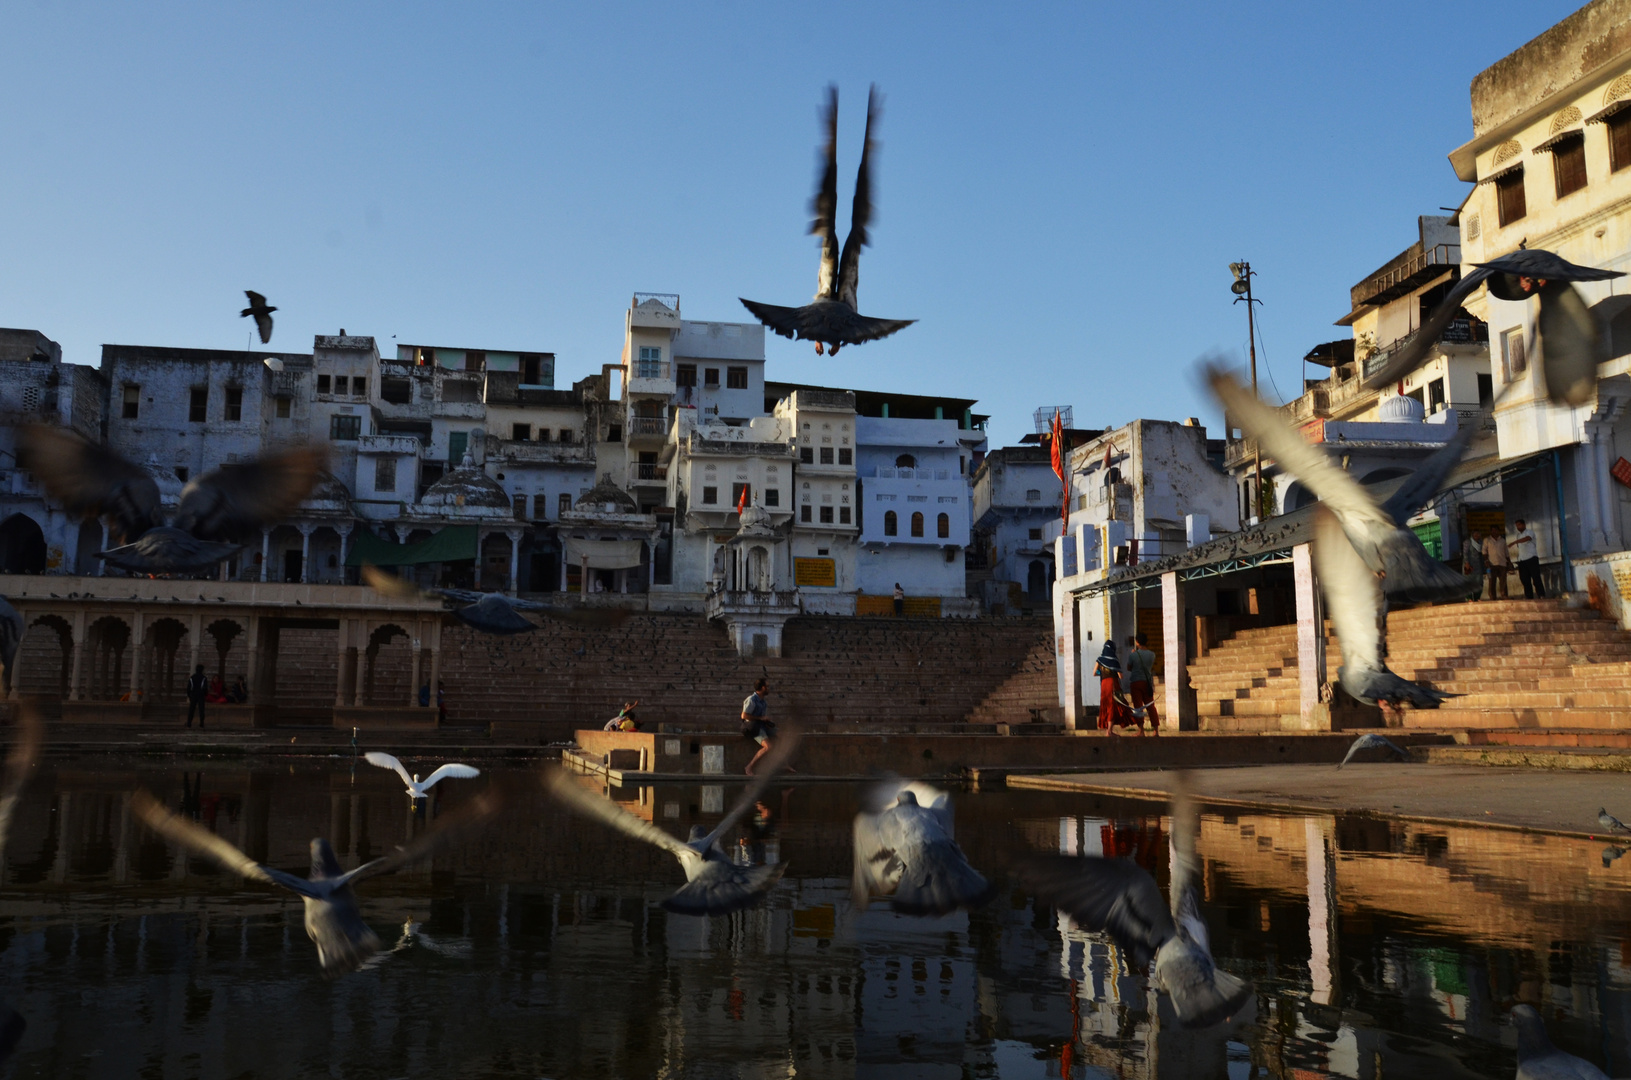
[(1016, 511), (915, 508)]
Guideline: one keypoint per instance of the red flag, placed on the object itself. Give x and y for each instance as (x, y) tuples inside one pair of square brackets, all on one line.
[(742, 502), (1056, 436)]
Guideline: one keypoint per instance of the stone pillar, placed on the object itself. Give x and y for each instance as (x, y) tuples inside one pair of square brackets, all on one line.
[(76, 670), (342, 664), (195, 642), (1178, 711), (1316, 714), (583, 577), (266, 553), (252, 642), (435, 667), (651, 564), (359, 693), (345, 545), (102, 567), (563, 568), (418, 659), (1324, 966), (306, 529), (1606, 538), (138, 638), (481, 545), (515, 536), (1067, 628)]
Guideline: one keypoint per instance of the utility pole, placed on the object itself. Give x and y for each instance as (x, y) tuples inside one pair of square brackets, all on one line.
[(1242, 288)]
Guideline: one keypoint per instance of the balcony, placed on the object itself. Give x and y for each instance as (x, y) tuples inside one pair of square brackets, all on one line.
[(388, 444), (646, 430), (1414, 268), (1459, 332), (646, 474), (649, 377)]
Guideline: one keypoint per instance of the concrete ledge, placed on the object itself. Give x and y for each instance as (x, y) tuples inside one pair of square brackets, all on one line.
[(1531, 757), (385, 717)]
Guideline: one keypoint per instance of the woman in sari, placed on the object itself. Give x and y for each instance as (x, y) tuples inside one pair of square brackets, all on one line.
[(1112, 713)]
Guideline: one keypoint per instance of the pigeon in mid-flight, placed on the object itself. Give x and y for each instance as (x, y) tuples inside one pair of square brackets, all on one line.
[(417, 788), (1571, 346), (492, 612), (831, 320), (217, 514), (333, 920), (904, 850), (1538, 1059), (261, 313), (1373, 741)]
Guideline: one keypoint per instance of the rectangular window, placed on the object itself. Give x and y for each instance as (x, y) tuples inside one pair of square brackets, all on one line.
[(344, 428), (1509, 202), (806, 456), (710, 377), (133, 402), (283, 408), (826, 455), (1486, 392), (566, 435), (181, 473), (685, 375), (543, 434), (322, 384), (397, 391), (235, 403), (457, 443), (1435, 396), (385, 474), (826, 515), (518, 506), (741, 494), (773, 497), (533, 372), (1569, 164), (846, 456), (475, 360), (614, 432), (843, 515), (650, 363), (564, 503), (521, 432), (710, 495), (736, 378), (1619, 140), (359, 387), (342, 385), (198, 408), (1035, 534), (1514, 362), (804, 514)]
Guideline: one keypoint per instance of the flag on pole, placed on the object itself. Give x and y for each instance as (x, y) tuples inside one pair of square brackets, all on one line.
[(1057, 439), (742, 501)]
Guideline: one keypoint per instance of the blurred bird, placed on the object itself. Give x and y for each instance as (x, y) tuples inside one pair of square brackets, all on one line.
[(1571, 345), (419, 789), (1538, 1059), (904, 849), (1610, 822), (19, 764), (832, 320), (714, 884), (261, 313), (1611, 853), (1373, 741), (216, 514), (333, 921), (11, 632), (491, 612), (1120, 898)]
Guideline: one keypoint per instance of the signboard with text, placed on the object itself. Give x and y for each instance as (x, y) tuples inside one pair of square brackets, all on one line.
[(815, 573)]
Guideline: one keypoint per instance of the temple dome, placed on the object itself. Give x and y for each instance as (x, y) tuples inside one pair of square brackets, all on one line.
[(1400, 410), (467, 486)]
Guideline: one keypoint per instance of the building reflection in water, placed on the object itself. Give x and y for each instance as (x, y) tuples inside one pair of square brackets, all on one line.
[(1377, 949)]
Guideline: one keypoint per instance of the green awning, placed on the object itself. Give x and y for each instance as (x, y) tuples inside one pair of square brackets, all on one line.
[(453, 544)]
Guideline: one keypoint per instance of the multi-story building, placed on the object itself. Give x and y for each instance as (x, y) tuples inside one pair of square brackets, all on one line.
[(915, 507), (823, 427), (1016, 513)]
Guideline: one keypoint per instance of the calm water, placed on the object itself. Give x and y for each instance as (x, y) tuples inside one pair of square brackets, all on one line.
[(1377, 949)]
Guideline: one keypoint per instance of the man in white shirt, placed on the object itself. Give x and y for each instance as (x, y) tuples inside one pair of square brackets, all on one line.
[(1528, 559)]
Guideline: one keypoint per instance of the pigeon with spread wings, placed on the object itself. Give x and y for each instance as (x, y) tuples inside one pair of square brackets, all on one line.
[(491, 612), (1120, 898), (831, 320), (261, 313), (417, 788), (1571, 345), (904, 850), (333, 920), (25, 748), (216, 514), (714, 884)]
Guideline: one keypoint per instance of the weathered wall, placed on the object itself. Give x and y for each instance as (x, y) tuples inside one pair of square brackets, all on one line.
[(1581, 43)]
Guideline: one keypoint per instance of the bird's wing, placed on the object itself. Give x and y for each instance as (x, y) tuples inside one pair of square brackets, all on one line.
[(1186, 828), (91, 479), (722, 888), (1571, 345), (937, 879), (864, 328), (166, 550), (452, 827), (1540, 263), (1425, 482), (201, 841), (849, 265), (781, 752), (785, 321), (386, 761), (463, 596), (1202, 995), (1358, 745), (1409, 358), (256, 300), (564, 788), (1115, 896), (825, 205), (227, 502), (19, 763), (1353, 596), (263, 326), (450, 771), (1308, 463), (936, 802), (1395, 747)]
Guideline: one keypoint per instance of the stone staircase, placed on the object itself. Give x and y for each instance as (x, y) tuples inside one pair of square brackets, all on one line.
[(1518, 664), (1030, 696)]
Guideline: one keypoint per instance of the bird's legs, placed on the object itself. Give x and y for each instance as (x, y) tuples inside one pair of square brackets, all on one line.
[(820, 349), (833, 350)]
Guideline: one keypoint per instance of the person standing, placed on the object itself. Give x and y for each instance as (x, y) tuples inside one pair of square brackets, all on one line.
[(1141, 680), (198, 688), (1498, 562), (1472, 560), (757, 727), (1112, 713), (1528, 557), (900, 600)]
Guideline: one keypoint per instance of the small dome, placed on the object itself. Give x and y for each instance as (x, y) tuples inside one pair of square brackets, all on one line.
[(1400, 410), (606, 498), (467, 486)]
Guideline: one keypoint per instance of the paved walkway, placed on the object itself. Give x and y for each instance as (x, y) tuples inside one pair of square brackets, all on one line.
[(1533, 800)]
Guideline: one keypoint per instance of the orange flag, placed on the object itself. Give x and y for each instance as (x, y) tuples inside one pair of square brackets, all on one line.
[(742, 502), (1057, 438)]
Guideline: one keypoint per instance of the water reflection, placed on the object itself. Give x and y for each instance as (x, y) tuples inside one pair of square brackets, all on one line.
[(1377, 949)]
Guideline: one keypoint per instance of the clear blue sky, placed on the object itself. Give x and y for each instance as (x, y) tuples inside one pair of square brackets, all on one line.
[(1059, 190)]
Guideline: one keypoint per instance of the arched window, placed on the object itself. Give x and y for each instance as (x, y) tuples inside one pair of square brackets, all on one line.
[(906, 461), (890, 528), (942, 526), (917, 523)]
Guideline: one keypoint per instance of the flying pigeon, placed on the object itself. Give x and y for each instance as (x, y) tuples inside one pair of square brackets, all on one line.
[(262, 314), (1570, 344), (904, 850), (420, 789), (714, 884), (19, 763), (1538, 1059), (491, 612), (1120, 898), (217, 512), (333, 922), (1373, 741), (831, 320), (1610, 822)]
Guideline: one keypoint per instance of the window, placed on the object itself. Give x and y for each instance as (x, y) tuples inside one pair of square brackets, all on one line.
[(710, 377), (685, 375), (396, 391), (846, 456), (1513, 360), (942, 527), (532, 371), (1435, 396), (342, 385), (198, 405), (1035, 534), (843, 515), (1509, 202), (133, 399), (344, 428), (1569, 164), (650, 364), (564, 503), (806, 456), (710, 495), (890, 526), (323, 384), (741, 494), (1486, 392), (826, 515), (736, 378), (804, 514), (422, 356), (773, 496), (826, 455), (385, 474), (566, 435), (906, 461), (917, 523), (1619, 140), (521, 432), (235, 403), (359, 387), (181, 473), (1033, 495), (475, 360), (457, 443), (283, 408), (614, 432), (518, 507)]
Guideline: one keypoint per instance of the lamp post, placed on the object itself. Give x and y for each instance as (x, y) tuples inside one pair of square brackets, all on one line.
[(1242, 288)]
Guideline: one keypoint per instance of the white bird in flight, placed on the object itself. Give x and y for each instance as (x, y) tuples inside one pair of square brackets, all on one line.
[(904, 850), (417, 788)]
